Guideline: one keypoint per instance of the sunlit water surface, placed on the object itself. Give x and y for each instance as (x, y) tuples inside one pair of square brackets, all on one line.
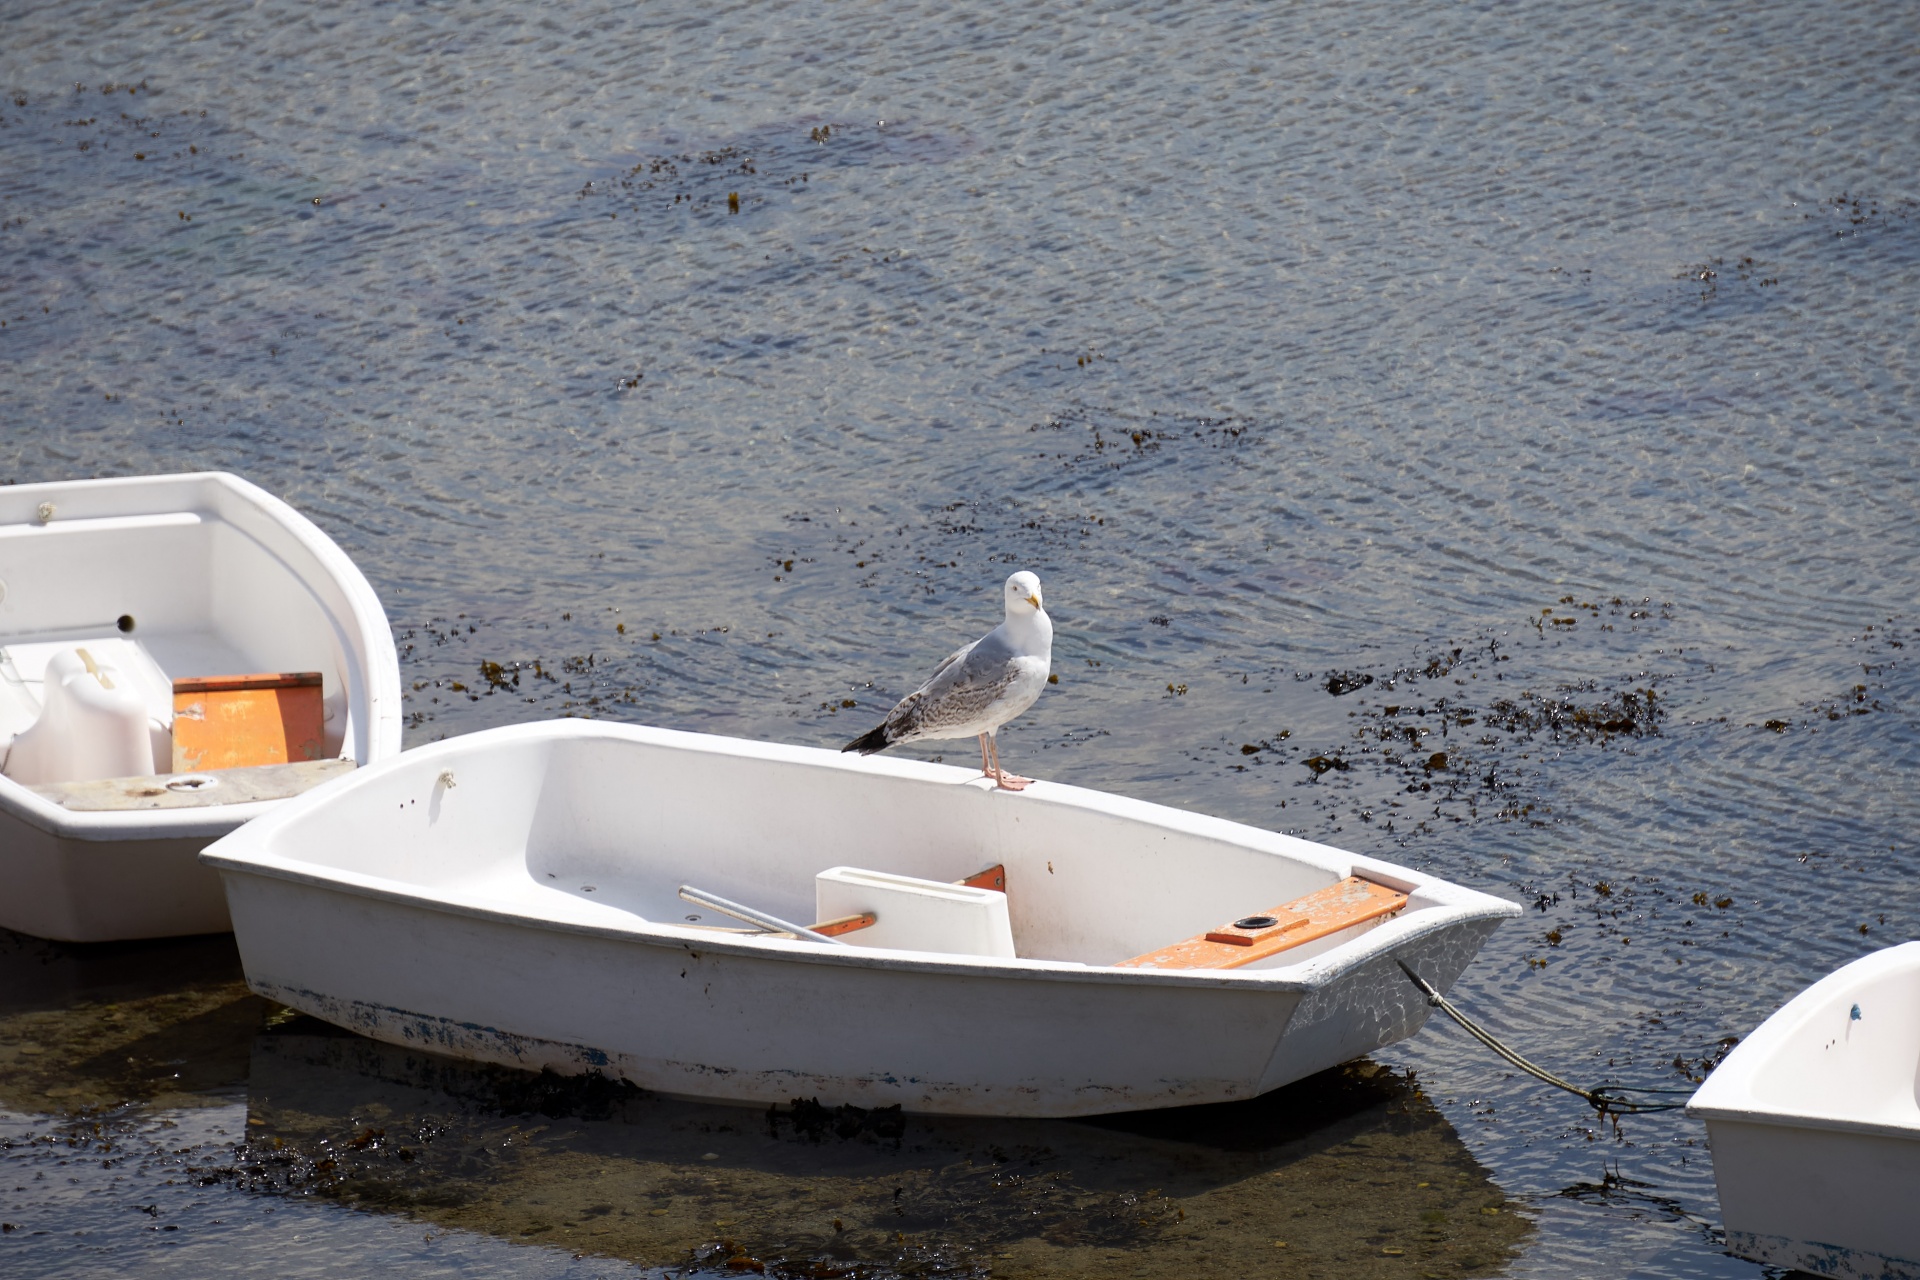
[(1531, 384)]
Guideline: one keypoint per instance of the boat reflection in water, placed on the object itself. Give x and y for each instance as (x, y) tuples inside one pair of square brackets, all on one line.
[(1350, 1168), (95, 1028), (141, 1045)]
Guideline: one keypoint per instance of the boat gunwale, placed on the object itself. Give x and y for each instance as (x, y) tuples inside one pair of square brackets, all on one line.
[(1748, 1064), (1455, 905), (1779, 1119), (365, 620)]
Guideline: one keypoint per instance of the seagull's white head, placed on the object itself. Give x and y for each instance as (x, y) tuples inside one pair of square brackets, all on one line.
[(1023, 594)]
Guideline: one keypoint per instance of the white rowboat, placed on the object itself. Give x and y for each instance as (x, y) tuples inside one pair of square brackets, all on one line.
[(1815, 1126), (514, 897), (115, 595)]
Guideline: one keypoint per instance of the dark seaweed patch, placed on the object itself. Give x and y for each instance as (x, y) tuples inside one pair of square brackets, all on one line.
[(1583, 714), (1456, 732), (808, 1120), (1339, 683), (1079, 435), (755, 169)]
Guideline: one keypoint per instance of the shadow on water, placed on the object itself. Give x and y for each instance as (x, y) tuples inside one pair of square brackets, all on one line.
[(1349, 1173), (162, 1023)]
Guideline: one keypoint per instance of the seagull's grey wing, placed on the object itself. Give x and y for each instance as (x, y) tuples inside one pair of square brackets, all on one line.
[(903, 723), (987, 661), (959, 693), (946, 662)]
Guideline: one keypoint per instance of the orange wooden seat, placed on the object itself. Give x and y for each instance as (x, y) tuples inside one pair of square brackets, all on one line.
[(229, 722), (1338, 906)]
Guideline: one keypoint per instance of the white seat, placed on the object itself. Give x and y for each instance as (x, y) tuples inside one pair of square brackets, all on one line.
[(914, 914)]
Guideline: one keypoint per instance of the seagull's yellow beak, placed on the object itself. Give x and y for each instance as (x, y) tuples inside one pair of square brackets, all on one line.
[(1034, 600)]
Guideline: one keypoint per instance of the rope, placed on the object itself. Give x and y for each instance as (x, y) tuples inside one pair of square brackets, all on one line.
[(1604, 1098)]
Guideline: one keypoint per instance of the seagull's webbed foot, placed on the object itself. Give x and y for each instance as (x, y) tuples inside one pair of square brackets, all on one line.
[(990, 750)]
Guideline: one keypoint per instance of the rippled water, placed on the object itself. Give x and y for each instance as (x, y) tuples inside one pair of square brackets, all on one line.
[(1291, 346)]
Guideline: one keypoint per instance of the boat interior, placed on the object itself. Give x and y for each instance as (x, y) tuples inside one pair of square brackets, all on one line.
[(1852, 1055), (162, 646), (608, 830)]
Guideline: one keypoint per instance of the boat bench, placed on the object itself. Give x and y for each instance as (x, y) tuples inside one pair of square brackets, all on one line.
[(966, 917), (1341, 905)]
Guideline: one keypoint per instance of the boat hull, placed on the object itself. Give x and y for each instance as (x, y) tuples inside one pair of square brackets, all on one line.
[(701, 1020), (1815, 1126), (74, 890), (1823, 1201), (510, 897)]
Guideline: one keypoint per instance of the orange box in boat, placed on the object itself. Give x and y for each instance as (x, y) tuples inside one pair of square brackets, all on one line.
[(230, 722)]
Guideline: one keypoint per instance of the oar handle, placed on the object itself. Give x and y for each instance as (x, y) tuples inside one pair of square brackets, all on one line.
[(700, 897)]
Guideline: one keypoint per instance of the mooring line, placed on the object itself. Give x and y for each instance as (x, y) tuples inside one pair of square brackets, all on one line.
[(1602, 1097)]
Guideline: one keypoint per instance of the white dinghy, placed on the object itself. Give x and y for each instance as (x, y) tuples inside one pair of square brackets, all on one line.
[(1815, 1126), (177, 655), (570, 895)]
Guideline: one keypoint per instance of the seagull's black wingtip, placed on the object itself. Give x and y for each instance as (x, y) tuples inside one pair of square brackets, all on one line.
[(868, 743)]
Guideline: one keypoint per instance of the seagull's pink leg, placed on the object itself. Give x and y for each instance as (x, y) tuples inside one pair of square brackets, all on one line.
[(1001, 778), (986, 765)]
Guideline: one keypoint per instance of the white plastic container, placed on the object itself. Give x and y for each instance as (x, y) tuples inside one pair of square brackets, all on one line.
[(914, 914), (93, 724)]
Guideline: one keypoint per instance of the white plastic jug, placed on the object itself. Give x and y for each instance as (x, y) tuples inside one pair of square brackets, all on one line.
[(93, 724)]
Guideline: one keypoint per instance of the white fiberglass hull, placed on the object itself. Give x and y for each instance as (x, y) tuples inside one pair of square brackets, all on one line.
[(1815, 1125), (201, 574), (510, 897)]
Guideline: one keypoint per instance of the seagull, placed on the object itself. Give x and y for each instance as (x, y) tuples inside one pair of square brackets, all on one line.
[(979, 688)]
